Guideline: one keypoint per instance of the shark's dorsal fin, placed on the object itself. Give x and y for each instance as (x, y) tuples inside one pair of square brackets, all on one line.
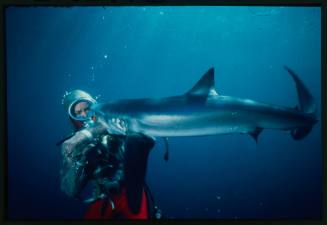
[(205, 86)]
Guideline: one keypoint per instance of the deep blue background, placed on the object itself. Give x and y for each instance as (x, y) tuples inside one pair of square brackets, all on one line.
[(133, 52)]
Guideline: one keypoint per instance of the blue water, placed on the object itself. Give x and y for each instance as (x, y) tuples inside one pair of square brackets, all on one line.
[(134, 52)]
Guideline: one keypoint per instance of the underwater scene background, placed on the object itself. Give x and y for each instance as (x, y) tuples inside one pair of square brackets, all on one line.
[(136, 52)]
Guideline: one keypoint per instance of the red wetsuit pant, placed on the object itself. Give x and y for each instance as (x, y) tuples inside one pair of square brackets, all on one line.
[(120, 207)]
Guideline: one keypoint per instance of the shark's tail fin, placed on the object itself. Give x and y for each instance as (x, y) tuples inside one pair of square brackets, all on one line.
[(306, 105)]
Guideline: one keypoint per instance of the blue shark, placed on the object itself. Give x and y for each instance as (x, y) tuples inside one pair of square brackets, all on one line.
[(202, 111)]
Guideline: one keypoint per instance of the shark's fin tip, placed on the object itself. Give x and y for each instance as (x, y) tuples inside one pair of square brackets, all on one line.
[(306, 101), (205, 86)]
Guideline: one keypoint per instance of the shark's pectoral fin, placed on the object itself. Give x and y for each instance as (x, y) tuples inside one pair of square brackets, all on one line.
[(255, 133), (166, 156), (205, 86)]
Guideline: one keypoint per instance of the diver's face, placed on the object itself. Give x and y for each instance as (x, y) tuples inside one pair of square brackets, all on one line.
[(81, 109)]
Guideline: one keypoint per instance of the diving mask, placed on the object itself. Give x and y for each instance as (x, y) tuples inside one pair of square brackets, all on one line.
[(81, 110)]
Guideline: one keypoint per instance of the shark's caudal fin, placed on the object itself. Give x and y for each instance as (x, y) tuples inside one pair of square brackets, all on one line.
[(306, 101), (306, 105), (205, 86)]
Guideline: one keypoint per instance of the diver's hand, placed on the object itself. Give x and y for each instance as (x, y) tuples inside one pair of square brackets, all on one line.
[(95, 129)]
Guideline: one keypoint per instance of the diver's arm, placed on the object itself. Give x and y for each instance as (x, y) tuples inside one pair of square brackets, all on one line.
[(75, 169), (74, 172), (82, 138)]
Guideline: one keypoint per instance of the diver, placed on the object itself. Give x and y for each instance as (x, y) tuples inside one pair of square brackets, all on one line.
[(114, 165)]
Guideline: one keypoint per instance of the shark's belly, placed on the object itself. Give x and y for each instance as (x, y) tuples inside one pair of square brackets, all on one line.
[(215, 123), (210, 119), (189, 125)]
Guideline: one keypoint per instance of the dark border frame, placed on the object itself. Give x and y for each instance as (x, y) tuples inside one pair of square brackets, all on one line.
[(67, 3)]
